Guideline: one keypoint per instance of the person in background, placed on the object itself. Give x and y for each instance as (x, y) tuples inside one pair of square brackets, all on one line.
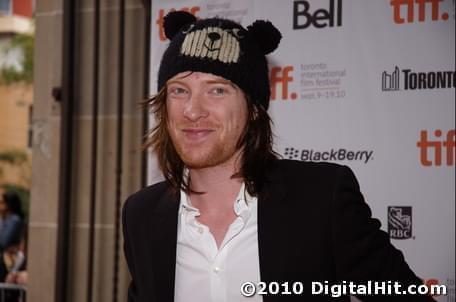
[(11, 220), (11, 232)]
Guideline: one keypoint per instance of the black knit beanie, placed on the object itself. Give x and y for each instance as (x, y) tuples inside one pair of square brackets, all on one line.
[(220, 47)]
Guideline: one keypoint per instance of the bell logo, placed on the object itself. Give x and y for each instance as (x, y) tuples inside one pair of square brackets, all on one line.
[(410, 9), (281, 76), (320, 18), (439, 146), (161, 14)]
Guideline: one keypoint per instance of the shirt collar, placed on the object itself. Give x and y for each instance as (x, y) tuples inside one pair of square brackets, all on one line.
[(243, 201), (242, 204), (185, 204)]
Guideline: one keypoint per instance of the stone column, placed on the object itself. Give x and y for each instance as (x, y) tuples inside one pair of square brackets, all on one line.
[(47, 123)]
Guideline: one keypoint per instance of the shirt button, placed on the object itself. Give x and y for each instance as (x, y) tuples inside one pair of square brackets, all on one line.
[(200, 230), (216, 269)]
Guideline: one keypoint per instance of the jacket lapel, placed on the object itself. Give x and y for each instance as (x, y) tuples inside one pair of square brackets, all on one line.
[(268, 233), (164, 241)]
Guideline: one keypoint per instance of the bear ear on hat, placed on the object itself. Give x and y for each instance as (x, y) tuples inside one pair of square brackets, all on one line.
[(266, 35), (175, 20)]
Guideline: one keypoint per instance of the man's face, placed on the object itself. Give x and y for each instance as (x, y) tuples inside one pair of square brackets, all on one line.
[(206, 117)]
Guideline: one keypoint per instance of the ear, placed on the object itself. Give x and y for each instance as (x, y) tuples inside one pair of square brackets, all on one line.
[(175, 20), (266, 35)]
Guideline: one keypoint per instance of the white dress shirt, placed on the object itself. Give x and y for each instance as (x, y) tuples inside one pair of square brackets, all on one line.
[(205, 273)]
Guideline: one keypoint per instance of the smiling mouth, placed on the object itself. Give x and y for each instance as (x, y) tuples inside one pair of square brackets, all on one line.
[(197, 134)]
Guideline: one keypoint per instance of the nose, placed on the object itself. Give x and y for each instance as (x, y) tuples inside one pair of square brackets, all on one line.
[(195, 109), (214, 36)]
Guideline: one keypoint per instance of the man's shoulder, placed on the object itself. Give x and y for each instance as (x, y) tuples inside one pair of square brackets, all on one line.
[(295, 167), (318, 175), (155, 190), (12, 219), (147, 198)]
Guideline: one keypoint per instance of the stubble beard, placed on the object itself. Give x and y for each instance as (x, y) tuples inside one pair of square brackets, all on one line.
[(200, 158)]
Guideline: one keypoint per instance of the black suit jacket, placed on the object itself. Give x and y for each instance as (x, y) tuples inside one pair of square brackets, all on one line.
[(313, 224)]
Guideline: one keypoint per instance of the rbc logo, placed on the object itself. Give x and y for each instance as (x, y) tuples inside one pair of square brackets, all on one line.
[(400, 222)]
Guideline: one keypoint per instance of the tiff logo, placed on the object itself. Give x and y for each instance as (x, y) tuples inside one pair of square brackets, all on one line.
[(400, 222), (437, 145), (433, 282), (281, 76), (390, 82), (410, 8)]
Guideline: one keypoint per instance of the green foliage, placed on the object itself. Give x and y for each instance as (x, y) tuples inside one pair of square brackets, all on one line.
[(14, 157), (19, 159), (11, 75)]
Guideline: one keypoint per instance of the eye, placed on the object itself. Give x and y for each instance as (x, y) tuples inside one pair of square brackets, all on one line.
[(218, 91), (237, 32), (188, 28), (177, 91)]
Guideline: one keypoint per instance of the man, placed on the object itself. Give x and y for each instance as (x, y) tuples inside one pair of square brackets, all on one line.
[(229, 211)]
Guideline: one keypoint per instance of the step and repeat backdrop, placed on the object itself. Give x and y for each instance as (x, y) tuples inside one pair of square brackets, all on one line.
[(371, 85)]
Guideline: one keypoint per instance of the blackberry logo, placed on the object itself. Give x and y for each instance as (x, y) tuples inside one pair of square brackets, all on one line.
[(400, 222), (329, 155), (291, 153)]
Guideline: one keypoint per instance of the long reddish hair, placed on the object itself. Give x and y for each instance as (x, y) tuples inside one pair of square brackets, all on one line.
[(256, 141)]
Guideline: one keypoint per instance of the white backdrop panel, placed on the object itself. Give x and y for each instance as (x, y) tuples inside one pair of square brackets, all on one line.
[(328, 97)]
